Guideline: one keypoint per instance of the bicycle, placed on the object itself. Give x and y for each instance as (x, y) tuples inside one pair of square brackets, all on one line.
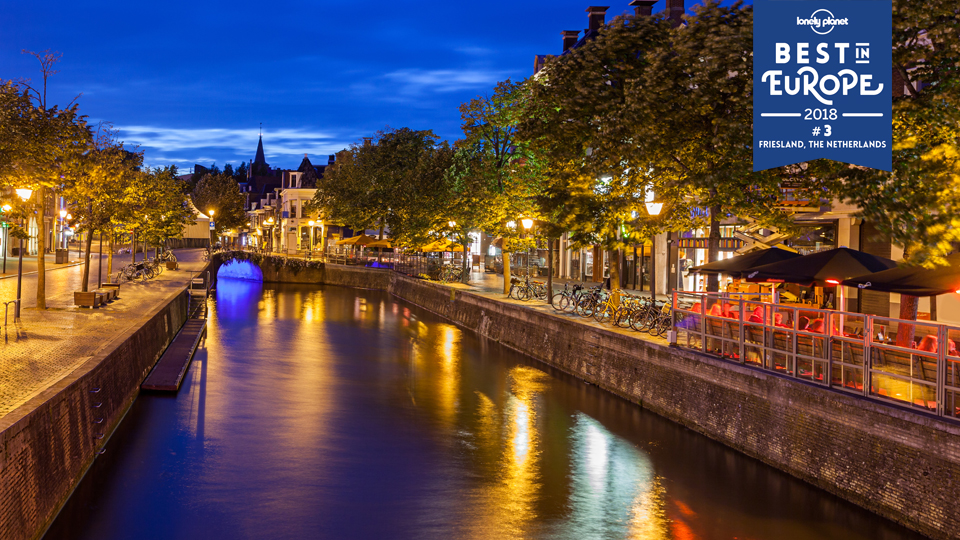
[(451, 274), (561, 300), (132, 272), (517, 290)]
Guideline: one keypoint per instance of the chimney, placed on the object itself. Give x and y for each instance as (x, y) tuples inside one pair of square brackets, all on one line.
[(596, 16), (643, 8), (570, 38), (331, 159), (675, 11), (367, 141)]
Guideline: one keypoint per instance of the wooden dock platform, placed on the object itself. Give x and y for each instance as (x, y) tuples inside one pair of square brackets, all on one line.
[(168, 374)]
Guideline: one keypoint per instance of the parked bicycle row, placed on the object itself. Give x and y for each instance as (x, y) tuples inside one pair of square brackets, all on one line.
[(145, 270), (637, 312)]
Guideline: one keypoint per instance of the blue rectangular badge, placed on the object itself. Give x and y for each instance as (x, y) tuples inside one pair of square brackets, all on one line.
[(822, 82)]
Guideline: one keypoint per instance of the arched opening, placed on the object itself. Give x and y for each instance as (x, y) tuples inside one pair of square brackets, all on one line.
[(240, 270)]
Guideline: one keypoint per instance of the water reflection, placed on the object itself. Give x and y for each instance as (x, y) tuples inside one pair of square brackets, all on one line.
[(332, 413)]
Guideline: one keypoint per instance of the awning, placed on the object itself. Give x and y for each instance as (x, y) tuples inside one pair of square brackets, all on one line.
[(735, 266), (361, 240), (913, 280), (825, 268)]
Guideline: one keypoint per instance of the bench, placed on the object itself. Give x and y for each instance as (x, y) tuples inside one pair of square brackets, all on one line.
[(114, 286), (109, 294), (91, 299)]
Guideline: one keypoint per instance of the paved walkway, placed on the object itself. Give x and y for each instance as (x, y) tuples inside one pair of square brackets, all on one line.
[(491, 286), (48, 345)]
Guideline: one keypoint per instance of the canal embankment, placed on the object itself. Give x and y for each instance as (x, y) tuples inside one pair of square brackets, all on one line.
[(70, 375), (897, 463)]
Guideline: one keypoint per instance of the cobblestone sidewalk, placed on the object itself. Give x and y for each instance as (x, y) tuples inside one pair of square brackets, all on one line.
[(48, 345)]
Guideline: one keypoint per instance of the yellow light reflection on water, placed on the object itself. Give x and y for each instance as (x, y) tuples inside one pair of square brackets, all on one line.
[(507, 506), (448, 379)]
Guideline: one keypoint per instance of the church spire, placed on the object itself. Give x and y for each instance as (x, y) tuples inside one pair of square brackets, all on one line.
[(260, 159)]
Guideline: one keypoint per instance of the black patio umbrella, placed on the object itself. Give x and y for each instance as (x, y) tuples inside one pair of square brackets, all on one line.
[(735, 266), (913, 280), (825, 268)]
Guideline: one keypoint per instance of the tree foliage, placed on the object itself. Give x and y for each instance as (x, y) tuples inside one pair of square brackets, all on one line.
[(221, 193), (918, 203), (394, 181)]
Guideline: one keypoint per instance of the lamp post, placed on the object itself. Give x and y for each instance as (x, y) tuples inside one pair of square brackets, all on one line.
[(6, 236), (653, 209), (23, 193), (312, 224), (63, 215), (527, 224)]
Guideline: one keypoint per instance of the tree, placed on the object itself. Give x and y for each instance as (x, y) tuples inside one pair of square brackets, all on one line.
[(492, 180), (240, 174), (220, 192), (918, 203), (692, 117), (54, 140), (392, 182), (97, 195), (598, 172)]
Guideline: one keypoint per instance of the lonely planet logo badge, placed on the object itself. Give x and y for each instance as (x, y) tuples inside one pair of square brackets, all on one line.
[(822, 22)]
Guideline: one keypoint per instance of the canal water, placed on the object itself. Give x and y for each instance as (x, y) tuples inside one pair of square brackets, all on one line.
[(326, 412)]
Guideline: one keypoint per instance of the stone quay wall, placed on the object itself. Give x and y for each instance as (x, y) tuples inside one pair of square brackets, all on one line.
[(897, 463), (47, 445)]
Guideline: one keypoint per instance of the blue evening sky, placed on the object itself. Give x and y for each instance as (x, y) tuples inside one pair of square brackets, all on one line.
[(190, 81)]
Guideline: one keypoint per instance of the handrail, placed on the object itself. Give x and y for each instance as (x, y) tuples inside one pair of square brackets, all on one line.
[(846, 351)]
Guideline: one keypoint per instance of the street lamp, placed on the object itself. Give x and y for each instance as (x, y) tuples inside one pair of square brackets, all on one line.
[(527, 223), (312, 224), (63, 215), (6, 237), (23, 193), (653, 209)]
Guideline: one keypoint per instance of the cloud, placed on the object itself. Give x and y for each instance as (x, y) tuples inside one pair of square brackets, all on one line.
[(475, 51), (414, 82), (283, 147)]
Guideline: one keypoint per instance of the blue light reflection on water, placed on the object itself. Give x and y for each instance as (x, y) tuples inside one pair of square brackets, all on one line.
[(316, 412)]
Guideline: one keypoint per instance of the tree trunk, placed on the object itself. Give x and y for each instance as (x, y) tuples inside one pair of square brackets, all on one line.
[(133, 247), (614, 256), (110, 257), (550, 271), (506, 272), (713, 280), (85, 284), (41, 248), (908, 311)]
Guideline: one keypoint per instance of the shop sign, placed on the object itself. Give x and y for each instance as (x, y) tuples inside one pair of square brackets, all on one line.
[(822, 82), (726, 244)]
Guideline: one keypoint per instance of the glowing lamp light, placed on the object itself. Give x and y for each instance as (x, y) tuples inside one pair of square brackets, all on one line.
[(6, 207), (24, 193), (312, 223), (833, 281), (211, 212), (654, 208), (452, 224), (69, 216), (527, 223), (958, 291), (63, 214)]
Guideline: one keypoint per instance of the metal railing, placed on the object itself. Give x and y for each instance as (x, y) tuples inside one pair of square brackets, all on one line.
[(850, 352), (6, 307)]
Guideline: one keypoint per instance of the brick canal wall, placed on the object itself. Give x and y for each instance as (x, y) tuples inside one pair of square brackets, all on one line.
[(48, 444), (899, 464)]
